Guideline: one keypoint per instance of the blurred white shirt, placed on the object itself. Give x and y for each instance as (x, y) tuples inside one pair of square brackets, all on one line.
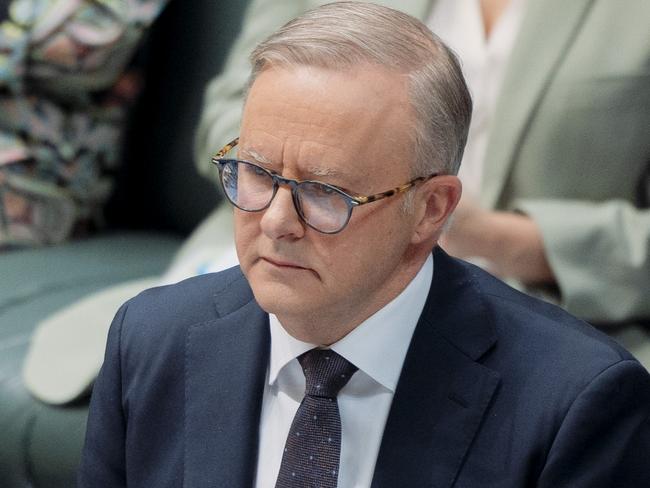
[(459, 23)]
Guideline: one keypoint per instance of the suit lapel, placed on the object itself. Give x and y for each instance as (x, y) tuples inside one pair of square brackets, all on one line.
[(225, 370), (547, 30), (443, 392)]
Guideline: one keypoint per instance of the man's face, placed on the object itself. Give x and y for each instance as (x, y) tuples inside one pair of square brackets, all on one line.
[(350, 130)]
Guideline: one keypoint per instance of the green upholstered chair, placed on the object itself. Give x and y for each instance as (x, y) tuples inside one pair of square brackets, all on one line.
[(159, 198)]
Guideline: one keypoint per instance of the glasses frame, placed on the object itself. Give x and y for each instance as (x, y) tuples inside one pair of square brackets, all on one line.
[(352, 199)]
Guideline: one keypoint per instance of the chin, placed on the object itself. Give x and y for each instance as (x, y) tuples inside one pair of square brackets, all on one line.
[(280, 298)]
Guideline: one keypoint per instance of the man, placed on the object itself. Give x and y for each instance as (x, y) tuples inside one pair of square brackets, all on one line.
[(557, 167), (344, 352)]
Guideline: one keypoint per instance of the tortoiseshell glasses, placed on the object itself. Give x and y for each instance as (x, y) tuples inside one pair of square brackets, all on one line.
[(323, 207)]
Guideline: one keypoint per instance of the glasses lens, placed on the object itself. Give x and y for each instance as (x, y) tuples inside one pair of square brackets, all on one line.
[(247, 186), (323, 207)]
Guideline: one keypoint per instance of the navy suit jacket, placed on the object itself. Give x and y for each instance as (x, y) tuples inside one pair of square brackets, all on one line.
[(497, 390)]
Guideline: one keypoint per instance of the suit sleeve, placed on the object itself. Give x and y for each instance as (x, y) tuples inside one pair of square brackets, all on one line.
[(604, 439), (600, 255), (103, 457), (223, 100)]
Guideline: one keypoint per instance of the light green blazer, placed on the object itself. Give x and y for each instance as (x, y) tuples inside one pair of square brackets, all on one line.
[(569, 145)]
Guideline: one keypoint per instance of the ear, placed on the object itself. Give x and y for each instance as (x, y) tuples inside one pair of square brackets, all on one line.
[(435, 201)]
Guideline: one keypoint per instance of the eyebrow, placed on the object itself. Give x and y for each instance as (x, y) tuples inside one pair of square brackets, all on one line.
[(318, 171), (260, 158), (255, 156)]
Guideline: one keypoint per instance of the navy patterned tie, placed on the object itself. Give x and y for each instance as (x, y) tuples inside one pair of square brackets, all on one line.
[(313, 448)]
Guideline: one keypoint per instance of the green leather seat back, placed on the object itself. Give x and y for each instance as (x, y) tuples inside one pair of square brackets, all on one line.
[(159, 198)]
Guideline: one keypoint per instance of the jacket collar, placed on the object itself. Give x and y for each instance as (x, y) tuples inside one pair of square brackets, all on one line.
[(440, 399), (225, 367), (443, 392)]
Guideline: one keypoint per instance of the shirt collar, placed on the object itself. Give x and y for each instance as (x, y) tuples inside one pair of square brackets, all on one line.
[(377, 346)]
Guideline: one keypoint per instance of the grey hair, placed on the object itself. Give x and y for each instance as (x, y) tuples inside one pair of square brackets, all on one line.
[(344, 35)]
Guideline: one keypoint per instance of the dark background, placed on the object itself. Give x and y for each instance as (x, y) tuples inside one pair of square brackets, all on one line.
[(158, 186)]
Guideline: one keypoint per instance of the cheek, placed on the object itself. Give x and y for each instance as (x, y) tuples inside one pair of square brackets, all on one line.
[(381, 226), (379, 240), (246, 233), (349, 258)]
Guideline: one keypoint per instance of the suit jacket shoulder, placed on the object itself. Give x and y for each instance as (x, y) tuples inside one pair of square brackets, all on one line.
[(168, 310), (477, 304), (180, 388), (500, 389)]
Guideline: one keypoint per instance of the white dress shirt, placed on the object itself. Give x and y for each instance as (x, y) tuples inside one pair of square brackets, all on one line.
[(377, 347), (459, 23)]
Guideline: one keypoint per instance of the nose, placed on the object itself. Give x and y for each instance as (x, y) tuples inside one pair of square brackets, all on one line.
[(281, 219)]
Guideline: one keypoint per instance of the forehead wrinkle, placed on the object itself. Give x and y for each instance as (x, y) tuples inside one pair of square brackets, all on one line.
[(321, 159), (321, 171), (257, 157)]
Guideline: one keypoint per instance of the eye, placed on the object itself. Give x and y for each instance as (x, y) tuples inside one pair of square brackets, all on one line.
[(254, 171), (324, 190)]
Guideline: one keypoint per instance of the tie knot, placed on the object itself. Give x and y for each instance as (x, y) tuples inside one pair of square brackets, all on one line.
[(326, 372)]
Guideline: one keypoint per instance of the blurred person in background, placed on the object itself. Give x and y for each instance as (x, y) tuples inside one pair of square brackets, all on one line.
[(556, 172), (64, 93)]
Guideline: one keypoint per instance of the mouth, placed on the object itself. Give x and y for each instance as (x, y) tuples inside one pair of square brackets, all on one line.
[(284, 264)]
